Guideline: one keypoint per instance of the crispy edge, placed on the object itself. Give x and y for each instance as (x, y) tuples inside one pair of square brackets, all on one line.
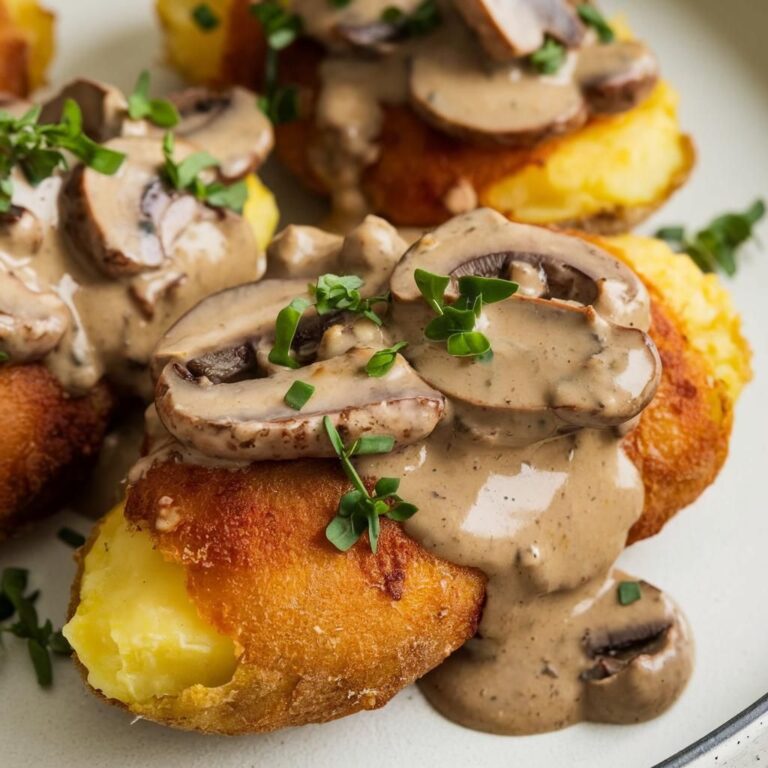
[(321, 634), (49, 442)]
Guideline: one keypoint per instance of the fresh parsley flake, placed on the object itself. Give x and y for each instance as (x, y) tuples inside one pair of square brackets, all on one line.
[(549, 58), (592, 17), (71, 537), (205, 17), (381, 362), (38, 150), (298, 395), (4, 357), (628, 592), (455, 323), (360, 511), (339, 3), (161, 112), (185, 177), (715, 247), (424, 19), (41, 639)]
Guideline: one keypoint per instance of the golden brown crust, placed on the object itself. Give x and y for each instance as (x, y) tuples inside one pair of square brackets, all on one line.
[(323, 634), (49, 441), (681, 441)]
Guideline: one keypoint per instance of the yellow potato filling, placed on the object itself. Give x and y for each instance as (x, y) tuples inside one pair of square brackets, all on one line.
[(701, 303), (37, 25), (260, 211), (624, 161), (136, 629)]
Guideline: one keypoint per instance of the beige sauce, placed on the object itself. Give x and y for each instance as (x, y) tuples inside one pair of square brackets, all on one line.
[(455, 78), (111, 262), (543, 511)]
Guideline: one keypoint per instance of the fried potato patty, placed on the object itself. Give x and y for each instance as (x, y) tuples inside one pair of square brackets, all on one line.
[(318, 634), (49, 441), (681, 441), (605, 177)]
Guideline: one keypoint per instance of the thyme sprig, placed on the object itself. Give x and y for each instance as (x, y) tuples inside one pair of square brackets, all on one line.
[(359, 510)]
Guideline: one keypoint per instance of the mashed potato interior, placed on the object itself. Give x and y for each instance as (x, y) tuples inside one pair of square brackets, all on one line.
[(626, 160), (136, 630), (260, 211), (700, 301)]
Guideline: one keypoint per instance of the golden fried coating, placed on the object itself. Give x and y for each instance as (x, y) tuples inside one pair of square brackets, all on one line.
[(49, 441), (681, 441), (320, 634)]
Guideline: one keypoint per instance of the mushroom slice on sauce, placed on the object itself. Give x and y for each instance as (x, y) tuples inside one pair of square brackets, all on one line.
[(225, 321), (454, 88), (558, 363), (508, 29), (32, 323), (249, 420), (104, 108), (645, 644), (227, 124), (131, 222)]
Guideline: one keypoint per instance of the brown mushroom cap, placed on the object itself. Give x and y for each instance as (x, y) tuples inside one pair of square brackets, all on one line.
[(453, 87), (508, 29), (560, 362), (228, 124), (104, 107), (249, 420)]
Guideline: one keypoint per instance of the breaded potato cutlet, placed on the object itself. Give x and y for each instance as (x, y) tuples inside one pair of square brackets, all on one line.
[(49, 441), (605, 177), (284, 629)]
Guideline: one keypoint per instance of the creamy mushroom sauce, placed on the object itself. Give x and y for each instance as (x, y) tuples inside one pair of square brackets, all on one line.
[(94, 268), (516, 464), (470, 77)]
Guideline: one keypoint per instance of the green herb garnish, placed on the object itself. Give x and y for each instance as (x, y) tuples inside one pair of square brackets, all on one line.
[(280, 103), (185, 177), (71, 537), (38, 149), (455, 323), (331, 293), (549, 58), (628, 592), (298, 395), (339, 3), (592, 17), (421, 21), (359, 510), (161, 112), (381, 362), (205, 17), (4, 358), (41, 639), (714, 247)]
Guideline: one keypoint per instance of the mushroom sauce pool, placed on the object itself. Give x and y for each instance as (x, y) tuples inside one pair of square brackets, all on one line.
[(513, 454)]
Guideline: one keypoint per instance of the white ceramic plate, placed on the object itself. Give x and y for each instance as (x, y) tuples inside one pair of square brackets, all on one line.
[(711, 557)]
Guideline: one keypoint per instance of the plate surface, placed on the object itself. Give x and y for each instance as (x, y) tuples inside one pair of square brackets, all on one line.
[(710, 557)]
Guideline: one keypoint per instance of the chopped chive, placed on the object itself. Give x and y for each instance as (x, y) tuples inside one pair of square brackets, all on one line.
[(205, 17), (298, 395), (628, 592)]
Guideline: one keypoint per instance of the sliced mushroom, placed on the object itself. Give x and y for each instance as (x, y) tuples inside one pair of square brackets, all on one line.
[(227, 124), (104, 108), (21, 231), (640, 661), (557, 364), (453, 87), (249, 420), (616, 77), (225, 321), (32, 323), (508, 29), (131, 222)]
